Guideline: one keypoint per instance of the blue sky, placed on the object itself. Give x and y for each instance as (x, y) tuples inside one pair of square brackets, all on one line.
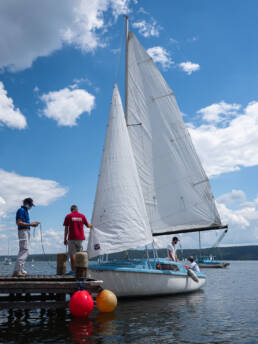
[(57, 69)]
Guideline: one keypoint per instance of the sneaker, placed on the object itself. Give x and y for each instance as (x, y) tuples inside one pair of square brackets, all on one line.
[(18, 274), (70, 273), (24, 272)]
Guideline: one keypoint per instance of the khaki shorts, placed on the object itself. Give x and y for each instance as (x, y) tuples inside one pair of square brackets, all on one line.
[(74, 246)]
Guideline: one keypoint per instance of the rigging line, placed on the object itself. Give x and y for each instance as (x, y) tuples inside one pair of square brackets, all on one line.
[(118, 69), (42, 246)]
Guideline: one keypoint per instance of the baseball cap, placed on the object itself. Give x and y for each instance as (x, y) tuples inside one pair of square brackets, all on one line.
[(29, 201)]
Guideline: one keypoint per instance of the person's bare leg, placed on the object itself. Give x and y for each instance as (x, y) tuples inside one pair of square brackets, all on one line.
[(73, 262)]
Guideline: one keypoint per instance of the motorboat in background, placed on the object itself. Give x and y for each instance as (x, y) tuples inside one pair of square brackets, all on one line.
[(210, 262)]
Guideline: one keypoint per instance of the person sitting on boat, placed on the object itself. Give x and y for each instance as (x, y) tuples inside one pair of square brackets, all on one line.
[(172, 249), (74, 233), (194, 266), (23, 223)]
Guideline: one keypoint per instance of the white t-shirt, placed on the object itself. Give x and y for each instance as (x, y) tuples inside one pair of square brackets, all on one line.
[(172, 250), (194, 267)]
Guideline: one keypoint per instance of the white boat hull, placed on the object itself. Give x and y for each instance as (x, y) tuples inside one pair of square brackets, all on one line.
[(131, 284)]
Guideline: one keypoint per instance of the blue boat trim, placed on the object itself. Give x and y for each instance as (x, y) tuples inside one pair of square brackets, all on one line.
[(207, 261), (142, 266)]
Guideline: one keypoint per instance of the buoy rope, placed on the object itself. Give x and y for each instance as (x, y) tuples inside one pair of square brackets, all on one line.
[(81, 284)]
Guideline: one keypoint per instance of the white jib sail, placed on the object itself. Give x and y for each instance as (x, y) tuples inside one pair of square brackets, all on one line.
[(176, 189), (119, 217)]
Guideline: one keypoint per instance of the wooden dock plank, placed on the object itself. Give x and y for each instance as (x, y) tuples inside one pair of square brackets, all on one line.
[(38, 278), (47, 287), (37, 289), (34, 305)]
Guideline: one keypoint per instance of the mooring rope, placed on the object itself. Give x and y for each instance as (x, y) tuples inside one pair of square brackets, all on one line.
[(42, 246)]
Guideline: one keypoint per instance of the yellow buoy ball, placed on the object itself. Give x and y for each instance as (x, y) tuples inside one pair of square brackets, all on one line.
[(106, 301)]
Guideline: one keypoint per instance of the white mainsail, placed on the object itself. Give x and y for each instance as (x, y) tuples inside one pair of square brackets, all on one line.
[(119, 217), (175, 187)]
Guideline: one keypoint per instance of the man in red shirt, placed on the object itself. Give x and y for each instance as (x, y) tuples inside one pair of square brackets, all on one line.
[(74, 232)]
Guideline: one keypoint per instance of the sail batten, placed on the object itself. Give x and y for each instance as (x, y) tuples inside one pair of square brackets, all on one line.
[(176, 190), (119, 218)]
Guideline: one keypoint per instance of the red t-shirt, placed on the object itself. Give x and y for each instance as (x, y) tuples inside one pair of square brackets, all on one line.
[(75, 222)]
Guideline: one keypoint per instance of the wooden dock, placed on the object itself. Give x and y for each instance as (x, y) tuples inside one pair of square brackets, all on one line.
[(17, 291)]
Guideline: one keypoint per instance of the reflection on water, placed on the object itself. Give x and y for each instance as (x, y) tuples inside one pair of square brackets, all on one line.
[(130, 323), (224, 312), (81, 330)]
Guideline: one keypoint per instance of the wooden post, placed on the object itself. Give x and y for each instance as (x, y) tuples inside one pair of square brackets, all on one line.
[(61, 264), (81, 265)]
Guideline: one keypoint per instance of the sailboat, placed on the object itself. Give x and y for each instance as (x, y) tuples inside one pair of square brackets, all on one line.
[(151, 183)]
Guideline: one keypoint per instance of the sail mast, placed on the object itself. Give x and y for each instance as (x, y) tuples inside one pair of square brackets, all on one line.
[(126, 69)]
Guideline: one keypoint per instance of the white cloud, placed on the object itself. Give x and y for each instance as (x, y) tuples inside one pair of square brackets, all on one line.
[(173, 40), (14, 188), (120, 7), (232, 197), (9, 115), (242, 220), (143, 11), (67, 105), (53, 241), (147, 29), (189, 67), (24, 36), (232, 217), (227, 149), (219, 112), (160, 55), (239, 215)]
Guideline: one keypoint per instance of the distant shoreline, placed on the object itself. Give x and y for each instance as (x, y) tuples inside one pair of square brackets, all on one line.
[(221, 253)]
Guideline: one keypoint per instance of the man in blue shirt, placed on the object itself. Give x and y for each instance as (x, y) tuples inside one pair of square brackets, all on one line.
[(23, 223)]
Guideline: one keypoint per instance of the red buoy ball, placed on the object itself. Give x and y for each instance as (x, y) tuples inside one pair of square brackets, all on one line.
[(81, 303)]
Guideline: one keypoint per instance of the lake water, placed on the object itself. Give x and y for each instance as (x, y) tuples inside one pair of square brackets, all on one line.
[(225, 311)]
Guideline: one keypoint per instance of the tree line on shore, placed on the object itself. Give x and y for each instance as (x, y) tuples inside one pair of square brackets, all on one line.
[(220, 253)]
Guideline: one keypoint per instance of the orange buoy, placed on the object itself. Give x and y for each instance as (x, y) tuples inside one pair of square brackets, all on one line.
[(106, 301), (81, 303)]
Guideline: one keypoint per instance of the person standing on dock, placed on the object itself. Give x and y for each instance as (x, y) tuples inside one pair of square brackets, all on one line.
[(23, 223), (172, 249), (74, 233)]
